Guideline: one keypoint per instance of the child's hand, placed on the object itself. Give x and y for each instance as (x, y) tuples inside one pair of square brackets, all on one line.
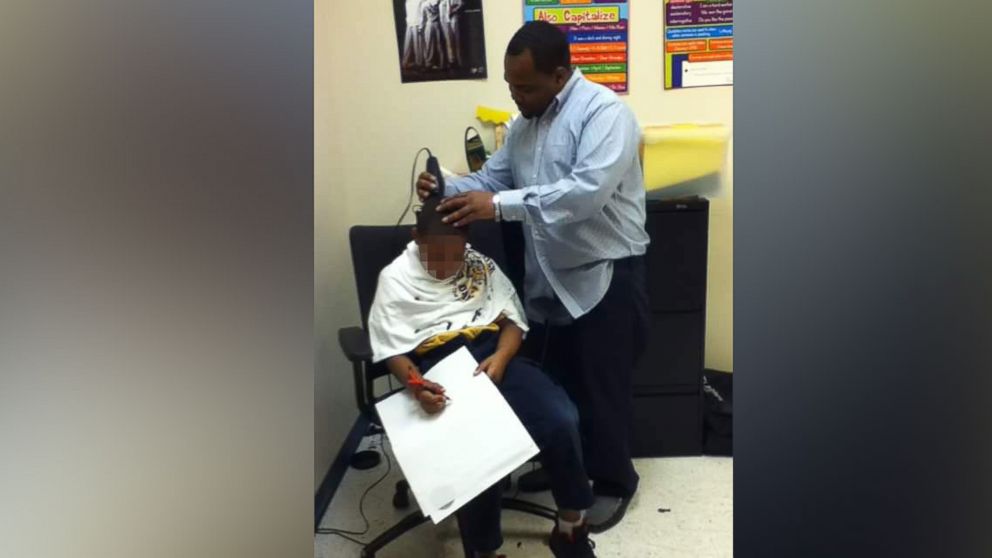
[(431, 397), (494, 367)]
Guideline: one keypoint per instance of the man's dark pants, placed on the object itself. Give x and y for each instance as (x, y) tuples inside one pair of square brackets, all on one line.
[(594, 359)]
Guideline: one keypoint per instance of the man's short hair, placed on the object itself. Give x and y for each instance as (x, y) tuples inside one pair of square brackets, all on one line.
[(547, 44), (429, 221)]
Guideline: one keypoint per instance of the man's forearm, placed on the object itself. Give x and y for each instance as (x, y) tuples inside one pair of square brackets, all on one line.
[(475, 182), (495, 176)]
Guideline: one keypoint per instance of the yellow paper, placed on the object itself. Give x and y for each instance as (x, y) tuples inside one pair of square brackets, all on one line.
[(491, 115), (677, 153)]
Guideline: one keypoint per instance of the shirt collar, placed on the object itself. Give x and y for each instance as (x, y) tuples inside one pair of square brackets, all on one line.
[(566, 91)]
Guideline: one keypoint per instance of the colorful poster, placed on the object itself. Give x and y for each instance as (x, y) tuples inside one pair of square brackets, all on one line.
[(699, 43), (440, 39), (597, 35)]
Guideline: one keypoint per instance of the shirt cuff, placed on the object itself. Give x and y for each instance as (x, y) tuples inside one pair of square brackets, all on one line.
[(511, 204)]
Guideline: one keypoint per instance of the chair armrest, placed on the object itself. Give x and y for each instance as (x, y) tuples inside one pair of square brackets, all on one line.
[(354, 342)]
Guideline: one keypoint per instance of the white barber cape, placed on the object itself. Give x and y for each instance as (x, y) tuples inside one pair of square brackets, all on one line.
[(411, 306)]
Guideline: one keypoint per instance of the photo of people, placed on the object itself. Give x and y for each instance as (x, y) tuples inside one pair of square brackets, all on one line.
[(440, 39)]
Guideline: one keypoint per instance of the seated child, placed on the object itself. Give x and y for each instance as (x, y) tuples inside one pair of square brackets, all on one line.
[(440, 295)]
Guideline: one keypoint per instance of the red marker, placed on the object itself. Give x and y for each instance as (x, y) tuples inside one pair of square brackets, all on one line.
[(419, 382)]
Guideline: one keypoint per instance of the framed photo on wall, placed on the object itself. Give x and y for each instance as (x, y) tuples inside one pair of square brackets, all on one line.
[(440, 39)]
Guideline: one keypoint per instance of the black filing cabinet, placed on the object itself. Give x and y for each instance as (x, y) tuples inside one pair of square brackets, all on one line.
[(668, 410)]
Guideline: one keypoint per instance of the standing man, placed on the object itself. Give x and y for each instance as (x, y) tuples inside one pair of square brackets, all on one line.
[(453, 30), (413, 50), (569, 172), (433, 56), (447, 55)]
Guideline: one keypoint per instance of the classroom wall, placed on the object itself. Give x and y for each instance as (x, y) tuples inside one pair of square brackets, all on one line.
[(368, 126)]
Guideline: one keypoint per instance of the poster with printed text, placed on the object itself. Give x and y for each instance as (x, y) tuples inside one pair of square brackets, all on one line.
[(440, 39), (699, 43), (597, 35)]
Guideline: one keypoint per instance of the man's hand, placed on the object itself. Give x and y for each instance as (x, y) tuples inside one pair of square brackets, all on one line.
[(426, 185), (467, 208), (431, 397), (494, 366)]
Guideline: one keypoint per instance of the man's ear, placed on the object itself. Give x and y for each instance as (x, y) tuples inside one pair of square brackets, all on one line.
[(561, 76)]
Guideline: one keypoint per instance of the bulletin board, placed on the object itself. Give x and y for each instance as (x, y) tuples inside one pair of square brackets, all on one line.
[(699, 43), (597, 35)]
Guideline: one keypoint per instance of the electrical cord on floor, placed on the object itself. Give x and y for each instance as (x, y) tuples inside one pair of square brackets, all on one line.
[(343, 533)]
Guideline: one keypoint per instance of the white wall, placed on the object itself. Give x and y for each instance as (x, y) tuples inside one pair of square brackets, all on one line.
[(368, 127)]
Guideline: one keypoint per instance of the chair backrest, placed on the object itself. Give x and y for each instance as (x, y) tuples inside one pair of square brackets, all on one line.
[(373, 248)]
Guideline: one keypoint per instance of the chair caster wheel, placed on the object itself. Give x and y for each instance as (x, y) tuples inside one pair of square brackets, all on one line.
[(401, 499)]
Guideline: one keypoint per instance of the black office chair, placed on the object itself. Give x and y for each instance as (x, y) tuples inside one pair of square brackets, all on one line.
[(372, 248)]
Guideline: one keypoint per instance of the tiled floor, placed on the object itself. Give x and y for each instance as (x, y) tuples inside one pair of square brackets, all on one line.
[(697, 490)]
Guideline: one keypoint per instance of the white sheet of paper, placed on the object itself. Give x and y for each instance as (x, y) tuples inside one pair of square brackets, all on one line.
[(451, 457)]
